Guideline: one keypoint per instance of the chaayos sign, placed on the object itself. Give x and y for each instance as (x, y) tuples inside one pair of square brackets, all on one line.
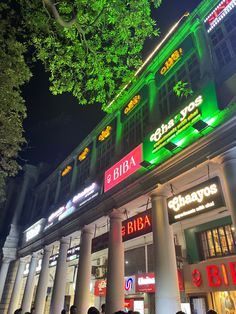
[(203, 197), (123, 168), (79, 200)]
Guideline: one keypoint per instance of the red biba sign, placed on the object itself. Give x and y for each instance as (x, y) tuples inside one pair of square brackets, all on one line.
[(221, 275), (123, 169)]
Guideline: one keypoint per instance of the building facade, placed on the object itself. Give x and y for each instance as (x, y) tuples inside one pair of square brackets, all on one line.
[(142, 214)]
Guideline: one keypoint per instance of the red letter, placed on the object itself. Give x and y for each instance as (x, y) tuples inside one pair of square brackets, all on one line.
[(213, 276), (233, 271), (123, 231), (146, 221)]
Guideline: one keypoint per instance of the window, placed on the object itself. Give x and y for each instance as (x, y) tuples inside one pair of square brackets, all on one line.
[(134, 128), (105, 152), (135, 261), (65, 185), (217, 242), (190, 73), (223, 40), (83, 171)]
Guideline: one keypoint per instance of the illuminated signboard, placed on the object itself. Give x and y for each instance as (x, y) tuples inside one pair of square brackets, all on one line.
[(100, 286), (133, 227), (66, 170), (123, 168), (38, 268), (218, 13), (171, 61), (197, 117), (203, 197), (146, 282), (34, 230), (84, 154), (72, 253), (105, 133), (135, 103), (183, 50), (132, 104), (211, 275), (79, 200)]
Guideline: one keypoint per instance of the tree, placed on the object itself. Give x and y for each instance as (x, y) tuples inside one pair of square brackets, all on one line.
[(90, 48), (13, 74)]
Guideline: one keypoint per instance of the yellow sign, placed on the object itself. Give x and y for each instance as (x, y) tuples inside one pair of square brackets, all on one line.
[(132, 104), (84, 154), (171, 61), (105, 133), (66, 171)]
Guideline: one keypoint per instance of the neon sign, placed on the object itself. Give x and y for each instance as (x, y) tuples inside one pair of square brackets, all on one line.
[(34, 230), (105, 133), (123, 168), (137, 225), (215, 275), (219, 12), (171, 61), (84, 154), (79, 200), (72, 253), (132, 104), (66, 170), (203, 197), (176, 124)]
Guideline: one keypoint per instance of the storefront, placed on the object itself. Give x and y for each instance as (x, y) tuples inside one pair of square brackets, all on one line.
[(212, 284)]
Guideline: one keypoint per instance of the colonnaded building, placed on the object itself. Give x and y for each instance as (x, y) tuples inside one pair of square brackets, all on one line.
[(142, 214)]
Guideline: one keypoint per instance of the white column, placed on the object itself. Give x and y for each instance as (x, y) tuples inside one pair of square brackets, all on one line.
[(3, 274), (82, 289), (59, 287), (41, 291), (15, 296), (29, 287), (115, 274), (228, 161), (167, 297)]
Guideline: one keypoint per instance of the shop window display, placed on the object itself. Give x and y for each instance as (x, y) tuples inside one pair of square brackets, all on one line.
[(217, 242), (225, 302)]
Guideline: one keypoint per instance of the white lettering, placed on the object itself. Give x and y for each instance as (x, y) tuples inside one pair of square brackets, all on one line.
[(146, 281), (198, 196), (164, 128)]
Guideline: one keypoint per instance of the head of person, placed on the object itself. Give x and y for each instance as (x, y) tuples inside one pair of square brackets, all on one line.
[(18, 311), (63, 312), (211, 312), (93, 310), (73, 309), (103, 307), (120, 312), (180, 312)]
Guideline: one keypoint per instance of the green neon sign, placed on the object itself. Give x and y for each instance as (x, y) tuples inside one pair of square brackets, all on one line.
[(198, 116)]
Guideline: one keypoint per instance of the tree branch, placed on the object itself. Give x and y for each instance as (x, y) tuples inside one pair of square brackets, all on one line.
[(52, 7)]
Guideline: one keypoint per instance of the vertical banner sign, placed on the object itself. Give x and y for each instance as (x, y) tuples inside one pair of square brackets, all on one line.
[(123, 169), (203, 197)]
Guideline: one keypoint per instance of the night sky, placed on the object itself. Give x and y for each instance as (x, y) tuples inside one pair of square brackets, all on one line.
[(57, 124)]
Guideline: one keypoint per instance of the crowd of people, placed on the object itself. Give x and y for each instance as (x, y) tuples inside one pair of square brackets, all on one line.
[(94, 310)]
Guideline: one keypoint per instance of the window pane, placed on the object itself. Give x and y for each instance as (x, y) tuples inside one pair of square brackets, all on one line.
[(135, 261)]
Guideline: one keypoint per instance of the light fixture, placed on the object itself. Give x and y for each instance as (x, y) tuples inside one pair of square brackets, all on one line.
[(171, 146), (126, 262), (146, 164), (200, 125)]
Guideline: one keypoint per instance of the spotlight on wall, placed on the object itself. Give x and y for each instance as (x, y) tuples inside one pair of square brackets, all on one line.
[(200, 125), (146, 164), (171, 146)]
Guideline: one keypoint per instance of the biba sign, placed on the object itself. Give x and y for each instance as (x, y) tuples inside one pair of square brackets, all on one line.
[(203, 197), (123, 169), (215, 276)]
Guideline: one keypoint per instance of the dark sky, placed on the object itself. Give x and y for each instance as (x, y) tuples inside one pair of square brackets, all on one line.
[(57, 124)]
